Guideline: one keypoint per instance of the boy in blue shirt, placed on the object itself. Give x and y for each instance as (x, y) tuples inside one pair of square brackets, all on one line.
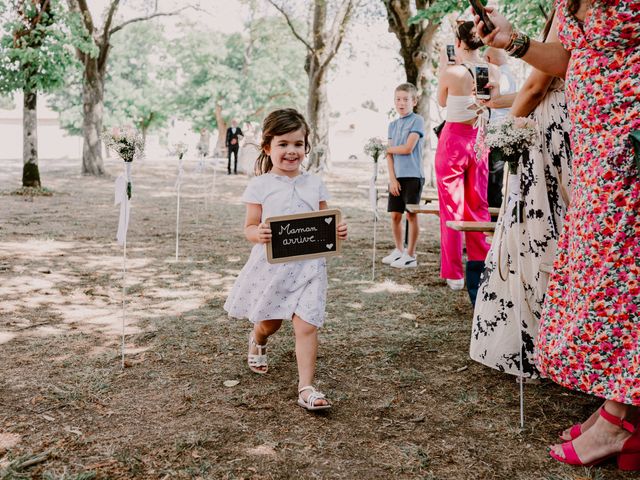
[(406, 177)]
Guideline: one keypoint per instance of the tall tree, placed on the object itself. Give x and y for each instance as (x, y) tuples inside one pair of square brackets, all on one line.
[(415, 29), (34, 58), (322, 46), (139, 83), (94, 71), (242, 76), (141, 78), (415, 24)]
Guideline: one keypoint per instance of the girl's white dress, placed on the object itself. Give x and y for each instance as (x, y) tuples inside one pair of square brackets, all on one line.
[(264, 291)]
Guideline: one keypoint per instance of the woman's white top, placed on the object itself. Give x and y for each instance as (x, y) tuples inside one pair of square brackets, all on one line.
[(461, 108)]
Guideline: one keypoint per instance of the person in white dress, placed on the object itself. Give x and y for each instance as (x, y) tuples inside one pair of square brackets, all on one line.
[(265, 293), (513, 285)]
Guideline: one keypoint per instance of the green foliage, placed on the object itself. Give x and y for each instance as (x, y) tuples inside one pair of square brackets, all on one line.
[(244, 75), (438, 9), (140, 78), (7, 103), (37, 45), (139, 85), (523, 14), (526, 16), (150, 79)]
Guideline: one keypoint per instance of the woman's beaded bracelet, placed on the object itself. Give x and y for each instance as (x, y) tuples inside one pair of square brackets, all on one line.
[(519, 44)]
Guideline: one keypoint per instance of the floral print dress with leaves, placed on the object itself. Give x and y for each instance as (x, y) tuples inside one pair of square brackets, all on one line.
[(589, 333)]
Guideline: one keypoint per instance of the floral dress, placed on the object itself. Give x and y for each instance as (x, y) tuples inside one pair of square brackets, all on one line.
[(502, 333), (589, 333)]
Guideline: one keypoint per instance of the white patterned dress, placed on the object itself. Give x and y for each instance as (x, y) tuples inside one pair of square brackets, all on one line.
[(497, 339), (265, 291)]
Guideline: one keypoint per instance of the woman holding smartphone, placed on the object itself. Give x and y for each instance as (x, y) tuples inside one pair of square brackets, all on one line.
[(503, 330), (589, 337), (461, 176)]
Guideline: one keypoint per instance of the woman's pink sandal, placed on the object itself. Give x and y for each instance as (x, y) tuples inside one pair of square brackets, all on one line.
[(628, 458), (574, 432)]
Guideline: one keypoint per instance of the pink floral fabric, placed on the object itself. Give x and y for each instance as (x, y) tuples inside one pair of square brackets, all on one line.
[(589, 338)]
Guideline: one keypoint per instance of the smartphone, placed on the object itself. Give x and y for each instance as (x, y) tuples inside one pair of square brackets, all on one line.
[(484, 16), (451, 54), (482, 82)]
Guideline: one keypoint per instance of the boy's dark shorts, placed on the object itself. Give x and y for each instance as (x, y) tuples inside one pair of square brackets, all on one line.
[(410, 192)]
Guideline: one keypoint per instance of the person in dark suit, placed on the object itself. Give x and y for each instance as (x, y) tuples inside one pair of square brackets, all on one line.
[(233, 144)]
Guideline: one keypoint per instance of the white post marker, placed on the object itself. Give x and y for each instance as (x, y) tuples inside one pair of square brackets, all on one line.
[(177, 187), (213, 185), (373, 198), (122, 197), (200, 169), (514, 192)]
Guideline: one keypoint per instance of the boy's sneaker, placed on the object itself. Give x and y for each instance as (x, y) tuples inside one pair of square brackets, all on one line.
[(405, 261), (392, 257), (455, 284)]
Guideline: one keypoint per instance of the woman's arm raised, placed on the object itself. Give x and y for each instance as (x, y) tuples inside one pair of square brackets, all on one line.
[(549, 57)]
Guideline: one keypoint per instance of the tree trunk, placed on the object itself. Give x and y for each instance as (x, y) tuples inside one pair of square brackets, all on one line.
[(317, 115), (204, 143), (93, 106), (422, 62), (416, 49), (30, 172), (220, 150)]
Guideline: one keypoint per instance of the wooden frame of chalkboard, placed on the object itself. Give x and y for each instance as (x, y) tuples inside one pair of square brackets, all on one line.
[(303, 236)]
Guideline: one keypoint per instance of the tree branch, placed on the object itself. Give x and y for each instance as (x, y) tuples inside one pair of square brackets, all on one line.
[(271, 97), (148, 17), (107, 23), (81, 5), (338, 30), (339, 25), (293, 30)]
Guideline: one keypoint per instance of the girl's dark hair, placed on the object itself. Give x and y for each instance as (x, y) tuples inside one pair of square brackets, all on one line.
[(466, 32), (279, 122), (547, 26)]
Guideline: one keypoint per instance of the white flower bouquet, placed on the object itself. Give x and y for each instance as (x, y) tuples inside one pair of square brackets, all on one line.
[(374, 147), (178, 149), (126, 142), (507, 140)]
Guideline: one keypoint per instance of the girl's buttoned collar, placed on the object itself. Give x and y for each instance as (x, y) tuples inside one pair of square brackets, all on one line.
[(284, 178)]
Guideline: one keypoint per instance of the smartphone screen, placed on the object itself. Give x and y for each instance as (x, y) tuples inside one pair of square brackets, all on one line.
[(482, 81), (482, 13), (451, 54)]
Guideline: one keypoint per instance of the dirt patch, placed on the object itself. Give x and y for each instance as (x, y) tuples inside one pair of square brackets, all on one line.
[(409, 403)]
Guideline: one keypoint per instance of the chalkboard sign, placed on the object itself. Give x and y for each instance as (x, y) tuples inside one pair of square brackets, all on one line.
[(303, 236)]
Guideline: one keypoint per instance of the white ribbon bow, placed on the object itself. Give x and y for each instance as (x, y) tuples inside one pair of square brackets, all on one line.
[(180, 173), (121, 198), (373, 196)]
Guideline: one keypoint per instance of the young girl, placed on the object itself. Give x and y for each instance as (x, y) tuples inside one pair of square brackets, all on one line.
[(265, 293)]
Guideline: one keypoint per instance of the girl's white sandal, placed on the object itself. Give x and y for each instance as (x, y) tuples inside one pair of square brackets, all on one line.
[(309, 404), (255, 362)]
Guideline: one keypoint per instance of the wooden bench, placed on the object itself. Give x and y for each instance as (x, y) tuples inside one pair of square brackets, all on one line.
[(383, 193), (434, 209), (468, 226)]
